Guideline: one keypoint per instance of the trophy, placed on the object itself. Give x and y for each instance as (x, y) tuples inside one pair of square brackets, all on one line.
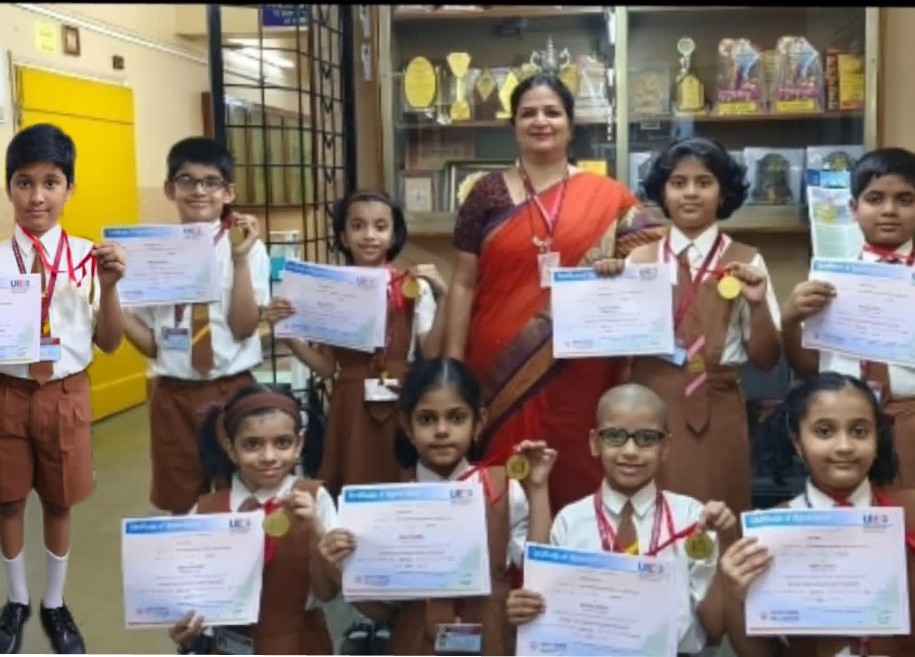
[(548, 60), (420, 85), (690, 91), (507, 87), (485, 95), (459, 64)]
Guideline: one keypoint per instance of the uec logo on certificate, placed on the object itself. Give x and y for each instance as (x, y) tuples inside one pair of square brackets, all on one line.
[(651, 570), (240, 525)]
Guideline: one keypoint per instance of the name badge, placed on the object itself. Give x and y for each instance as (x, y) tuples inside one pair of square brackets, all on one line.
[(459, 639), (678, 358), (546, 262), (229, 642), (377, 390), (176, 339), (49, 350)]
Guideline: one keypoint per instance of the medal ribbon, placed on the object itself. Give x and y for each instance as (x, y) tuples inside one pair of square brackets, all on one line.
[(696, 283), (551, 219), (608, 537), (397, 297), (890, 257), (499, 458), (270, 544), (224, 224), (47, 292), (52, 269)]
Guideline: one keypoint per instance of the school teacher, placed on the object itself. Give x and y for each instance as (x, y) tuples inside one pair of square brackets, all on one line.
[(544, 211)]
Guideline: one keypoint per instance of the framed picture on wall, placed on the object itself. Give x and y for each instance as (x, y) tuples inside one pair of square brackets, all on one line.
[(462, 176), (419, 190), (71, 40)]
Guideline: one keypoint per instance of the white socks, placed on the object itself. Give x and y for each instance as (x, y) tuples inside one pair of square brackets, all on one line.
[(15, 576), (56, 573)]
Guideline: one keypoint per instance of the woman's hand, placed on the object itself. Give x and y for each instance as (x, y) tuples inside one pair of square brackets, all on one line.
[(523, 606), (187, 630), (609, 266), (742, 563)]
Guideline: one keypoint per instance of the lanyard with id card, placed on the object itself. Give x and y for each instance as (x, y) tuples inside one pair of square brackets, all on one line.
[(382, 388), (458, 638), (49, 345), (547, 259)]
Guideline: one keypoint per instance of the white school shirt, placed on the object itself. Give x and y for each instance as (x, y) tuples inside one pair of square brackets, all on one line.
[(324, 507), (230, 356), (862, 496), (902, 379), (518, 508), (424, 307), (73, 317), (738, 332), (576, 527)]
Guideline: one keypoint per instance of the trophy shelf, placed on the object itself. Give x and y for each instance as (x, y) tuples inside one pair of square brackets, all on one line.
[(749, 118), (494, 11), (494, 123)]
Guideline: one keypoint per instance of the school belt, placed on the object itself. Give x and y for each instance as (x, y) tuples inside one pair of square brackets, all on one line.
[(393, 369), (174, 382), (23, 383)]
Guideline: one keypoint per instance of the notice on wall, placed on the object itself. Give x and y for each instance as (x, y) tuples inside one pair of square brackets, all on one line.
[(47, 37)]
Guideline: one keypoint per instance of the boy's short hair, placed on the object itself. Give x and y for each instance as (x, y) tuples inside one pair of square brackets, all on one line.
[(882, 162), (201, 150), (41, 142)]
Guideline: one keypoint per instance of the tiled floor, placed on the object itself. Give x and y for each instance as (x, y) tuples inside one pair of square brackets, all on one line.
[(94, 590)]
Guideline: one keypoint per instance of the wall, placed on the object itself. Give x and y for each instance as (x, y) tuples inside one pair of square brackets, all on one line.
[(897, 94)]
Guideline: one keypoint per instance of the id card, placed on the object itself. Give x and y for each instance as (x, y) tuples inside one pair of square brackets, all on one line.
[(49, 350), (459, 639), (546, 262), (229, 642), (176, 339), (377, 390), (678, 358)]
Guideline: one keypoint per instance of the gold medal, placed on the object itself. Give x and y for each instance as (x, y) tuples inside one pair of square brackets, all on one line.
[(699, 546), (729, 287), (518, 467), (410, 288), (46, 328), (236, 235), (695, 364), (277, 524)]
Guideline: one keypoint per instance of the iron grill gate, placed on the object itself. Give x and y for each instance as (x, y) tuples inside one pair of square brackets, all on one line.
[(282, 100)]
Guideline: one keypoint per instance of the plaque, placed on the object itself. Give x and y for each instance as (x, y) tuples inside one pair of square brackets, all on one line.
[(690, 90), (420, 85), (459, 65), (798, 77), (486, 95), (740, 78), (772, 183), (650, 95), (505, 95)]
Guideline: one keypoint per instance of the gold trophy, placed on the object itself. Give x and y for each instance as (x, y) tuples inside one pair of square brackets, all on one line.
[(420, 85), (459, 64), (690, 90), (505, 94)]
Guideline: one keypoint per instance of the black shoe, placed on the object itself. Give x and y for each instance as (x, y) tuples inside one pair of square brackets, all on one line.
[(61, 629), (12, 619)]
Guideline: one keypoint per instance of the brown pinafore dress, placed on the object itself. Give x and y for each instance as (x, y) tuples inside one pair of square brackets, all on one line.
[(414, 628), (284, 627), (709, 453), (359, 445), (894, 646)]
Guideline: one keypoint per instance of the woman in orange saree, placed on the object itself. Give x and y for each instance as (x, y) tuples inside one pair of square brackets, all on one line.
[(498, 312)]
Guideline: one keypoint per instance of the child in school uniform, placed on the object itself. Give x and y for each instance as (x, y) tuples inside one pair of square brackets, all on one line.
[(370, 231), (630, 512), (254, 441), (441, 412), (725, 313), (201, 353), (883, 202), (45, 434), (834, 423)]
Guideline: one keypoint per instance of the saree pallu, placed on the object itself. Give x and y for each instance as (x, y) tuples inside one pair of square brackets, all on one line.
[(528, 394)]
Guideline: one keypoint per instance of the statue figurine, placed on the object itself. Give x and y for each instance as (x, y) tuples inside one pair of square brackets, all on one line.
[(772, 185)]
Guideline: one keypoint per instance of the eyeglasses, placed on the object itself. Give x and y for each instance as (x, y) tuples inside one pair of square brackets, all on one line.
[(188, 184), (615, 437)]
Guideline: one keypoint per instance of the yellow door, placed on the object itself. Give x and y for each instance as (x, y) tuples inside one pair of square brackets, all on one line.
[(99, 118)]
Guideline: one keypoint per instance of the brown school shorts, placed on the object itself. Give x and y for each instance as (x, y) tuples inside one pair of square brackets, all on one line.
[(46, 440), (176, 410)]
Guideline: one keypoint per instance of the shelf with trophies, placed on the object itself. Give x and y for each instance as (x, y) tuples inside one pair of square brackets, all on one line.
[(446, 88), (783, 88)]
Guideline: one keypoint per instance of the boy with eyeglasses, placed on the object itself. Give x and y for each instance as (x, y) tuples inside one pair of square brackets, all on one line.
[(202, 353), (628, 513)]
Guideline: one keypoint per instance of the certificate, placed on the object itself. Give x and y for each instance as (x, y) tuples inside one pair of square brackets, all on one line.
[(211, 564), (600, 603), (167, 264), (416, 541), (834, 572), (629, 314), (337, 306), (870, 317), (20, 318)]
